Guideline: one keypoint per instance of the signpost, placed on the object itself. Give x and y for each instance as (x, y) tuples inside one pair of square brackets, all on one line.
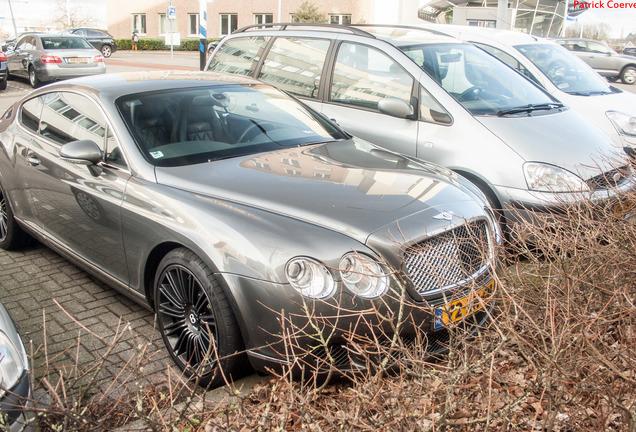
[(203, 30), (172, 38)]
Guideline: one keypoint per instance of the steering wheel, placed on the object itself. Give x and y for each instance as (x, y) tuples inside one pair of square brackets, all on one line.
[(469, 94), (254, 129), (556, 71)]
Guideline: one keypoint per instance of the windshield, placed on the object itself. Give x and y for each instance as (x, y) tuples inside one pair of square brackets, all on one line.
[(187, 126), (566, 71), (479, 82), (63, 42)]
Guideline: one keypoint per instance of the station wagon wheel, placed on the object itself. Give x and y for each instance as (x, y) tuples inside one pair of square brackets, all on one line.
[(33, 78), (195, 319), (628, 76), (11, 235), (106, 50)]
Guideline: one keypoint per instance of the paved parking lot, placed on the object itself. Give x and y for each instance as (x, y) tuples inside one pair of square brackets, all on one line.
[(49, 296), (65, 316)]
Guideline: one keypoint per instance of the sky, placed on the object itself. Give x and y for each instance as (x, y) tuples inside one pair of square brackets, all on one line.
[(39, 12), (621, 22)]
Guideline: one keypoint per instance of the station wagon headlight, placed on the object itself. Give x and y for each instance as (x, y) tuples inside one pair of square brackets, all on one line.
[(11, 364), (549, 178), (624, 123), (363, 276), (309, 277)]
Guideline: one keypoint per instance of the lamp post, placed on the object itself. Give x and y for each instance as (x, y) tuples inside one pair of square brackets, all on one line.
[(15, 29)]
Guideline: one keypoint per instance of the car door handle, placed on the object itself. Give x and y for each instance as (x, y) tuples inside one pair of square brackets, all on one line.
[(33, 160)]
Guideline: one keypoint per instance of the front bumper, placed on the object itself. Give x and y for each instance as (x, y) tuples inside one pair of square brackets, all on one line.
[(15, 407), (521, 205), (343, 333)]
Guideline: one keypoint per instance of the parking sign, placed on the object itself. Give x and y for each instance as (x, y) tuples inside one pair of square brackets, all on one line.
[(172, 13)]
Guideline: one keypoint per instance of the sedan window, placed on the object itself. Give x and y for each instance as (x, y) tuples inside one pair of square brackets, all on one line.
[(69, 117), (30, 114), (61, 42), (188, 126)]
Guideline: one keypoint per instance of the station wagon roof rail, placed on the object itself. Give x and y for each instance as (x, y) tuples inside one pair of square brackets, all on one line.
[(401, 27), (284, 26)]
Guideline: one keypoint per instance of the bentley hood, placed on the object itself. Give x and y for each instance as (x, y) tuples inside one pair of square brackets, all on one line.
[(349, 186)]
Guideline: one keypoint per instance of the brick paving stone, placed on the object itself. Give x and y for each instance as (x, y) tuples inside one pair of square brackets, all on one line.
[(33, 278)]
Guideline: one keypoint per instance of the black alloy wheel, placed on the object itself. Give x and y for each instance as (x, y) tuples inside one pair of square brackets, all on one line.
[(11, 235), (196, 320)]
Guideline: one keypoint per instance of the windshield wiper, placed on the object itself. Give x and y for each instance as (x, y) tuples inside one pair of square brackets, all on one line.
[(529, 108), (589, 93)]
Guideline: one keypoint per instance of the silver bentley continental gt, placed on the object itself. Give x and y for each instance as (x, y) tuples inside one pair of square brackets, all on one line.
[(258, 231)]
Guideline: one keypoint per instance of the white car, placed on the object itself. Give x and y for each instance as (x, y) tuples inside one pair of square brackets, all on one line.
[(562, 74)]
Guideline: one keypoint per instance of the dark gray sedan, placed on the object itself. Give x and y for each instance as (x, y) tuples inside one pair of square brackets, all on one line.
[(43, 58), (255, 228)]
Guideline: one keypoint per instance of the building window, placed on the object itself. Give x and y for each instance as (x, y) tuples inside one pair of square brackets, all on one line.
[(139, 23), (340, 19), (193, 24), (229, 23), (162, 24), (482, 23), (263, 18)]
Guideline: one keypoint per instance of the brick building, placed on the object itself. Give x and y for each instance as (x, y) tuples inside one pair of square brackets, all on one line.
[(149, 17)]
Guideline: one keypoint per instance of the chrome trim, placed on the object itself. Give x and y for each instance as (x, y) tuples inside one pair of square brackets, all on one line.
[(490, 230)]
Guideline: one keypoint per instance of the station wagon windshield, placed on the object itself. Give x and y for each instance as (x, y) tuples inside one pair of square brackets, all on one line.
[(479, 82), (194, 125), (566, 71)]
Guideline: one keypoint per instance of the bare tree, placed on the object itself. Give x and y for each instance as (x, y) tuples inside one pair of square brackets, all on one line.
[(70, 17), (309, 12), (598, 31)]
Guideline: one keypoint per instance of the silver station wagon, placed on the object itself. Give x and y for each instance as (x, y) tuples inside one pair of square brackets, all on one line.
[(431, 96), (240, 216)]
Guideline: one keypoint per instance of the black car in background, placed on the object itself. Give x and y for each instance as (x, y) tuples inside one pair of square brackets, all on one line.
[(3, 71), (100, 39), (629, 51)]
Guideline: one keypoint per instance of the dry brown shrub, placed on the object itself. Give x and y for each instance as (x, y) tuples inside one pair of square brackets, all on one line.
[(558, 354)]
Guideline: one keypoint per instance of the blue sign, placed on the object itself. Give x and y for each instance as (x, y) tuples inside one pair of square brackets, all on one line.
[(172, 13)]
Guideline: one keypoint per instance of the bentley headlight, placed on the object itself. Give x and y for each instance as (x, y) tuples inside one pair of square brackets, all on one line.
[(309, 277), (542, 177), (363, 275), (624, 123), (11, 363)]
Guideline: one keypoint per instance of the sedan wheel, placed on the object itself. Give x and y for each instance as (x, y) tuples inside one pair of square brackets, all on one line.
[(11, 235), (628, 76), (106, 50), (33, 78), (196, 320)]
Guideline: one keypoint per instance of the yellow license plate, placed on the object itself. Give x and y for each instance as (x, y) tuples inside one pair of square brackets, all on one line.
[(459, 309), (77, 60)]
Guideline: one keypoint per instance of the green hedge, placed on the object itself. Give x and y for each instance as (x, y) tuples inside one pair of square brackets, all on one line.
[(158, 45)]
